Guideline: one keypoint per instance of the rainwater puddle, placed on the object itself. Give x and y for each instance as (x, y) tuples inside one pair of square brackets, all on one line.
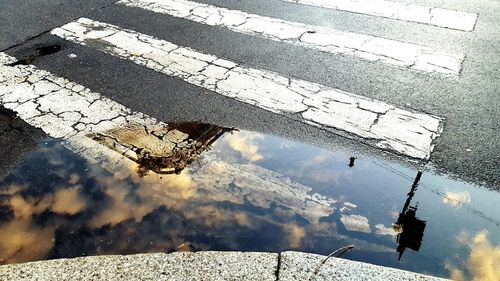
[(245, 191)]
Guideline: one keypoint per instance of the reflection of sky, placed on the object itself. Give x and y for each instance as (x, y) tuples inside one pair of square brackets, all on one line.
[(249, 192)]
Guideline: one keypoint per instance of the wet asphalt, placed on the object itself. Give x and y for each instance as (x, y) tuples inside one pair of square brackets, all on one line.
[(468, 149)]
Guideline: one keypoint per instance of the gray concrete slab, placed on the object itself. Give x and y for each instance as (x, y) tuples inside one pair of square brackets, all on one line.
[(174, 266), (205, 266), (304, 266)]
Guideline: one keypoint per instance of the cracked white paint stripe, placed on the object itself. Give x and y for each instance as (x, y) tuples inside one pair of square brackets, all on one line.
[(61, 108), (367, 47), (452, 19), (69, 111), (376, 123)]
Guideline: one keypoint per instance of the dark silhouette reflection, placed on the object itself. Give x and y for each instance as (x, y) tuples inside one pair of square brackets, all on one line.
[(30, 55), (410, 228), (164, 149), (199, 138), (351, 162)]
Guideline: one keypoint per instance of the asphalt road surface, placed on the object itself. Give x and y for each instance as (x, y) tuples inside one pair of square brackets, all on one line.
[(435, 100)]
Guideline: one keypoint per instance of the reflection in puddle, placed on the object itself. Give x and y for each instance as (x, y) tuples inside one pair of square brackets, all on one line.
[(164, 149), (220, 189), (410, 229), (483, 262)]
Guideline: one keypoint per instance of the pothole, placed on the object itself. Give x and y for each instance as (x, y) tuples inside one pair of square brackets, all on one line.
[(37, 52)]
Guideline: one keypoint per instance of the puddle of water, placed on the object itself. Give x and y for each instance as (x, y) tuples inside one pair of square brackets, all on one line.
[(242, 190)]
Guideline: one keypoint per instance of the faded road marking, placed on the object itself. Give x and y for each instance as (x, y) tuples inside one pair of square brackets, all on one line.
[(367, 47), (400, 11), (373, 122), (61, 108)]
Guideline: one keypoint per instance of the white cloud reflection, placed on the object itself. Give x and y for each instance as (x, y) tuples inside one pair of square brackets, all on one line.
[(381, 229), (483, 263), (456, 199), (355, 223), (245, 144)]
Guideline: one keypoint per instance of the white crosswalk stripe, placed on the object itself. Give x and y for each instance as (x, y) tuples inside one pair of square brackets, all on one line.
[(400, 11), (379, 124), (396, 53), (67, 110), (61, 108)]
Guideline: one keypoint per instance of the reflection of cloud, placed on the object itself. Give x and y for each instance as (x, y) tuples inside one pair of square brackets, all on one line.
[(355, 223), (259, 186), (347, 207), (133, 197), (326, 175), (211, 216), (394, 214), (350, 205), (147, 194), (295, 234), (64, 201), (25, 208), (456, 199), (21, 241), (483, 263), (319, 166), (318, 160), (118, 208), (179, 187), (68, 201), (244, 144), (364, 245), (325, 228), (380, 229), (463, 238), (10, 190)]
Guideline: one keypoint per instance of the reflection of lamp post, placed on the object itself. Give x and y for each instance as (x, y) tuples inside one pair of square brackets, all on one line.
[(351, 162), (410, 229)]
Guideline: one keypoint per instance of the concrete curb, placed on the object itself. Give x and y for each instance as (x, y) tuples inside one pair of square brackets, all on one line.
[(204, 266)]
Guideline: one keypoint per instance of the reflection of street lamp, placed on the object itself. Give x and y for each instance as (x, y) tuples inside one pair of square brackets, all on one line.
[(410, 229)]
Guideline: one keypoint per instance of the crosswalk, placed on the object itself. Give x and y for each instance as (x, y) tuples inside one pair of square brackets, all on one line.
[(363, 46), (68, 110), (400, 11)]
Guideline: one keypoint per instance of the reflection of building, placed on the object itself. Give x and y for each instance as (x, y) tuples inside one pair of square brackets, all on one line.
[(410, 228), (164, 149)]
